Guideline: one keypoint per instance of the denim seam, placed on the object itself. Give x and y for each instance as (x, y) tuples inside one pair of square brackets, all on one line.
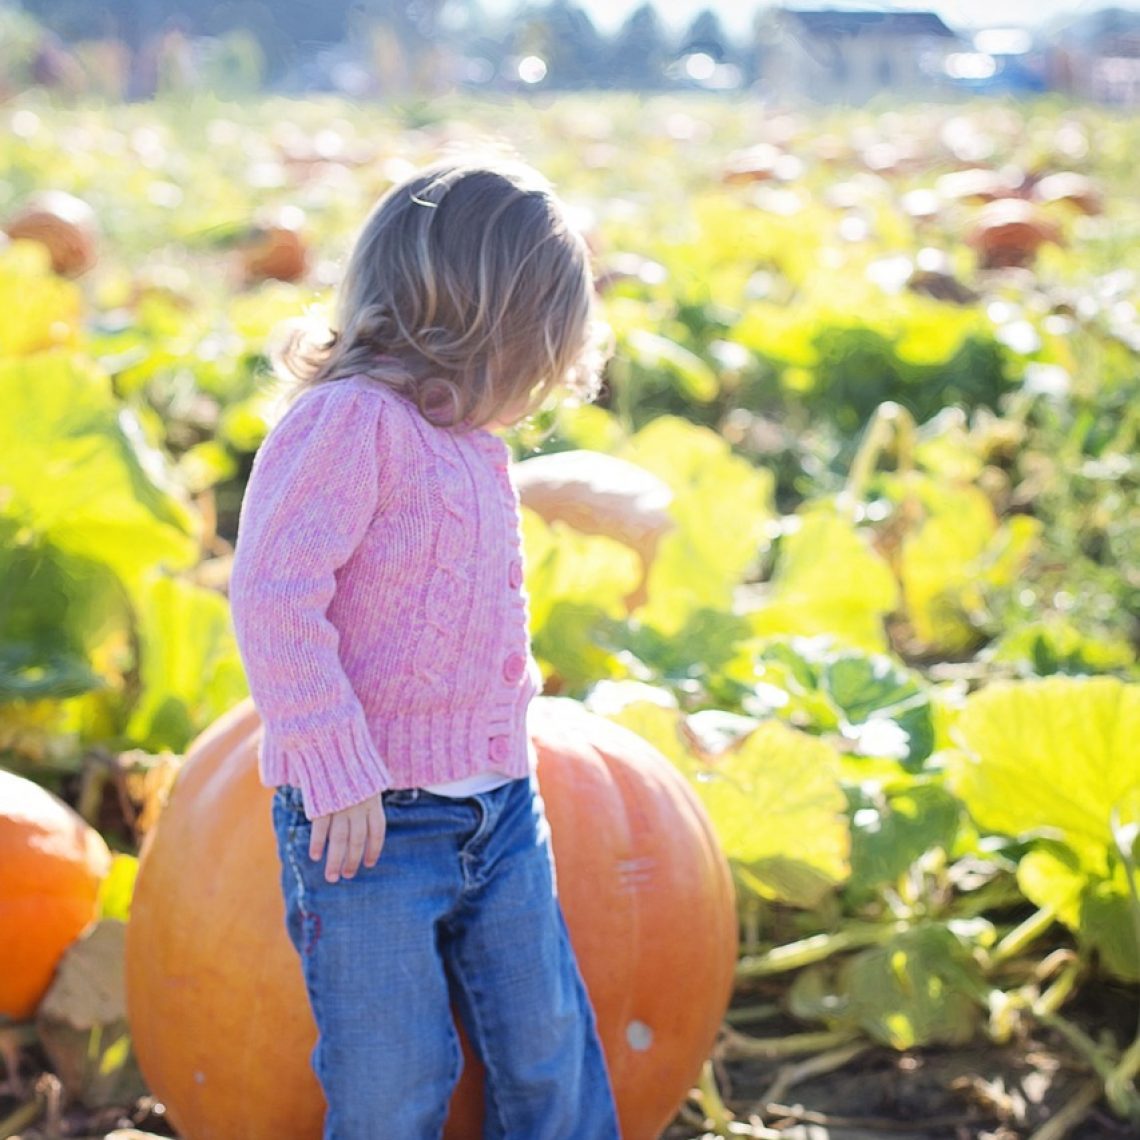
[(308, 918), (456, 1069), (308, 942), (490, 1102), (484, 820)]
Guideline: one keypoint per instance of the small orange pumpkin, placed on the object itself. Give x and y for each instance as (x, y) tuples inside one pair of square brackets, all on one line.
[(216, 1000), (51, 866), (62, 223), (1067, 186), (1009, 231), (276, 247)]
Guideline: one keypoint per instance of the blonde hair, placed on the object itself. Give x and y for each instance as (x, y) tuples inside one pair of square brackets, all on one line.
[(466, 290)]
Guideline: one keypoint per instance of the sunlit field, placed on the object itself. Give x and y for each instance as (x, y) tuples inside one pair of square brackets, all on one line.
[(874, 592)]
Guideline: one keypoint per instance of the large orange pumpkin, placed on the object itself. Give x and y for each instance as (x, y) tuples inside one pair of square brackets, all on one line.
[(51, 865), (216, 1001)]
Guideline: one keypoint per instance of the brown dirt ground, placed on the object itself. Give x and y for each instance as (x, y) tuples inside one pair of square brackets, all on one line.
[(983, 1092), (980, 1092)]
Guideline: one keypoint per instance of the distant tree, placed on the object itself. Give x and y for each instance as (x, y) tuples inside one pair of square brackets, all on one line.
[(255, 16), (411, 31), (285, 29), (563, 35), (416, 21), (75, 19), (640, 50), (706, 34)]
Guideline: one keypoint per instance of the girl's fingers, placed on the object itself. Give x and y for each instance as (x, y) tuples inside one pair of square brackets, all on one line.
[(357, 827), (351, 834), (338, 844), (317, 837), (377, 826)]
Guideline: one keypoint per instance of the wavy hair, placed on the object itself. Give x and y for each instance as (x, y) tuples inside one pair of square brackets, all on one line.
[(467, 291)]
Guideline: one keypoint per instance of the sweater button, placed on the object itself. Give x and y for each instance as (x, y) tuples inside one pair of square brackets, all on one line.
[(515, 574), (500, 749), (514, 667)]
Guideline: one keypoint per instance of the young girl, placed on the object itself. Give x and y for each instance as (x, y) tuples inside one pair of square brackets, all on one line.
[(378, 601)]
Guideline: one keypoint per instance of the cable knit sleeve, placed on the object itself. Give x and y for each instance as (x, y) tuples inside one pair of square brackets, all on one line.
[(312, 492)]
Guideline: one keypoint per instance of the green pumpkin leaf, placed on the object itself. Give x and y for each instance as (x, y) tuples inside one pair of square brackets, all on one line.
[(117, 889), (708, 641), (34, 671), (877, 705), (79, 473), (582, 645), (1097, 909), (242, 424), (936, 566), (892, 829), (809, 596), (189, 667), (1054, 758), (1108, 923), (653, 353), (1057, 646), (721, 507), (38, 309), (590, 428), (206, 464), (55, 608), (1051, 876), (576, 587), (923, 987), (886, 710), (774, 799), (565, 566), (659, 722), (958, 549)]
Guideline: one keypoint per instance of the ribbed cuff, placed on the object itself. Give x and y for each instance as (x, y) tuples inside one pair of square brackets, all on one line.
[(334, 769)]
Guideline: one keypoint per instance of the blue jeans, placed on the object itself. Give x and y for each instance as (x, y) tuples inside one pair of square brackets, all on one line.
[(460, 908)]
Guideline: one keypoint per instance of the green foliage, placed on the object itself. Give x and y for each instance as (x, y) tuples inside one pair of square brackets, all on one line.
[(807, 597), (577, 584), (795, 848), (923, 987), (878, 707), (117, 888), (894, 828), (40, 310), (839, 572), (1057, 646), (190, 671), (1053, 760), (721, 507), (93, 520), (80, 472)]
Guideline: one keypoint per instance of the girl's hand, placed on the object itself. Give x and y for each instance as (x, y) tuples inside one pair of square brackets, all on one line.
[(351, 832)]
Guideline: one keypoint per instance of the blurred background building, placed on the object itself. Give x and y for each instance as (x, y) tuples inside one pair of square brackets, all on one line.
[(851, 56)]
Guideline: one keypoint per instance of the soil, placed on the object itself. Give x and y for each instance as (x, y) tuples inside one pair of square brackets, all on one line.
[(985, 1093), (980, 1092)]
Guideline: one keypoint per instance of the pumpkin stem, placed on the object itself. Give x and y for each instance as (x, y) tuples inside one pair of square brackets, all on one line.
[(719, 1119), (714, 1108)]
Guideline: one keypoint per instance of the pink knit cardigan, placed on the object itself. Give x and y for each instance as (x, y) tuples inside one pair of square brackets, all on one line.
[(378, 601)]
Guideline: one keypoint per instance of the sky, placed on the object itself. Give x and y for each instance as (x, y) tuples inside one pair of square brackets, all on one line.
[(736, 15)]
